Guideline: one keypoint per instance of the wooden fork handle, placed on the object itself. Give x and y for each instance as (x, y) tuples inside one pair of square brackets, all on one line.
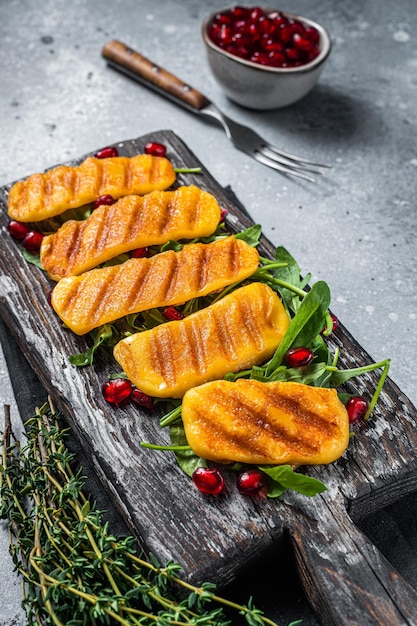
[(138, 67)]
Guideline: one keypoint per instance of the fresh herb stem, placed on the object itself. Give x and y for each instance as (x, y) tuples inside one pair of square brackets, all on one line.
[(261, 274), (187, 170), (170, 417), (270, 265), (72, 569)]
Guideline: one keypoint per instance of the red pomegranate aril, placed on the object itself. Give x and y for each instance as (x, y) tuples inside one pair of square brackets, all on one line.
[(105, 153), (335, 323), (277, 59), (155, 149), (223, 19), (223, 214), (293, 55), (18, 230), (356, 408), (285, 33), (271, 45), (260, 57), (299, 357), (302, 43), (266, 26), (208, 480), (32, 241), (240, 51), (241, 41), (312, 35), (225, 35), (251, 482), (139, 253), (142, 399), (250, 32), (256, 13), (171, 313), (239, 13), (106, 199), (117, 390)]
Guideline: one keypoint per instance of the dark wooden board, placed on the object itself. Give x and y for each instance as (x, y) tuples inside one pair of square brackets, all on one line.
[(346, 579)]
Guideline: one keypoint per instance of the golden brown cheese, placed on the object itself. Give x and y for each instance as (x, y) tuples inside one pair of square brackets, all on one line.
[(242, 329), (132, 222), (106, 294), (44, 195), (270, 423)]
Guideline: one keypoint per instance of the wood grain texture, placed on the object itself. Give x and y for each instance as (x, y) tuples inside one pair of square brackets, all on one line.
[(346, 579)]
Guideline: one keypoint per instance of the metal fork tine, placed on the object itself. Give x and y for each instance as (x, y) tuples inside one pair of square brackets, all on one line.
[(300, 165), (293, 157), (281, 167)]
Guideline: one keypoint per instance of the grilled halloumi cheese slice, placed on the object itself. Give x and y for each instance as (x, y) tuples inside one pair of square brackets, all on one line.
[(270, 423), (103, 295), (44, 195), (132, 222), (242, 329)]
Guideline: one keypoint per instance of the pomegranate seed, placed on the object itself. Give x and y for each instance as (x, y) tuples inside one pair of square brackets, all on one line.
[(293, 55), (335, 323), (139, 253), (32, 241), (256, 13), (18, 230), (107, 199), (155, 149), (117, 390), (277, 59), (142, 399), (239, 13), (356, 408), (171, 313), (251, 483), (249, 32), (302, 43), (312, 35), (208, 480), (105, 153), (299, 357), (223, 214)]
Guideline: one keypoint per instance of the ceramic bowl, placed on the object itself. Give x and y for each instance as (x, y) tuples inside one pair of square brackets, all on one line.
[(263, 87)]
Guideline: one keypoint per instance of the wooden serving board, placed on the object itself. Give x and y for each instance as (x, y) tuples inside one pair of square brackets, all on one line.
[(213, 538)]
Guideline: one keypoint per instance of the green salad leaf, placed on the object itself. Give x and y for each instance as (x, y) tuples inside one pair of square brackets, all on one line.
[(283, 477)]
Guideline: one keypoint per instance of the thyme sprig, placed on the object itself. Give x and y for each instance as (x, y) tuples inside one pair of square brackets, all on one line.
[(74, 571)]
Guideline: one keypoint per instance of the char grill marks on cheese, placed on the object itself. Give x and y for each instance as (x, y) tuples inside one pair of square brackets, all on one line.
[(103, 295), (265, 422), (44, 195), (132, 222), (242, 329)]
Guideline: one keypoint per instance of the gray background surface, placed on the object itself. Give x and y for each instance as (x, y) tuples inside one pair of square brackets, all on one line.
[(354, 228)]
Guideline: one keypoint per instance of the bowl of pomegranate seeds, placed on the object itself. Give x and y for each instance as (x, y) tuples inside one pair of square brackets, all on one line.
[(264, 58)]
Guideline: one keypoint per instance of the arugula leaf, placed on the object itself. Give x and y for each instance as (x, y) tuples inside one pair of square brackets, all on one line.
[(32, 257), (103, 334), (186, 459), (338, 377), (284, 477), (305, 325), (251, 235), (290, 273)]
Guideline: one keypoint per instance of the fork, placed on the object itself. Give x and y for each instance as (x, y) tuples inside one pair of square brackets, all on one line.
[(125, 59)]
